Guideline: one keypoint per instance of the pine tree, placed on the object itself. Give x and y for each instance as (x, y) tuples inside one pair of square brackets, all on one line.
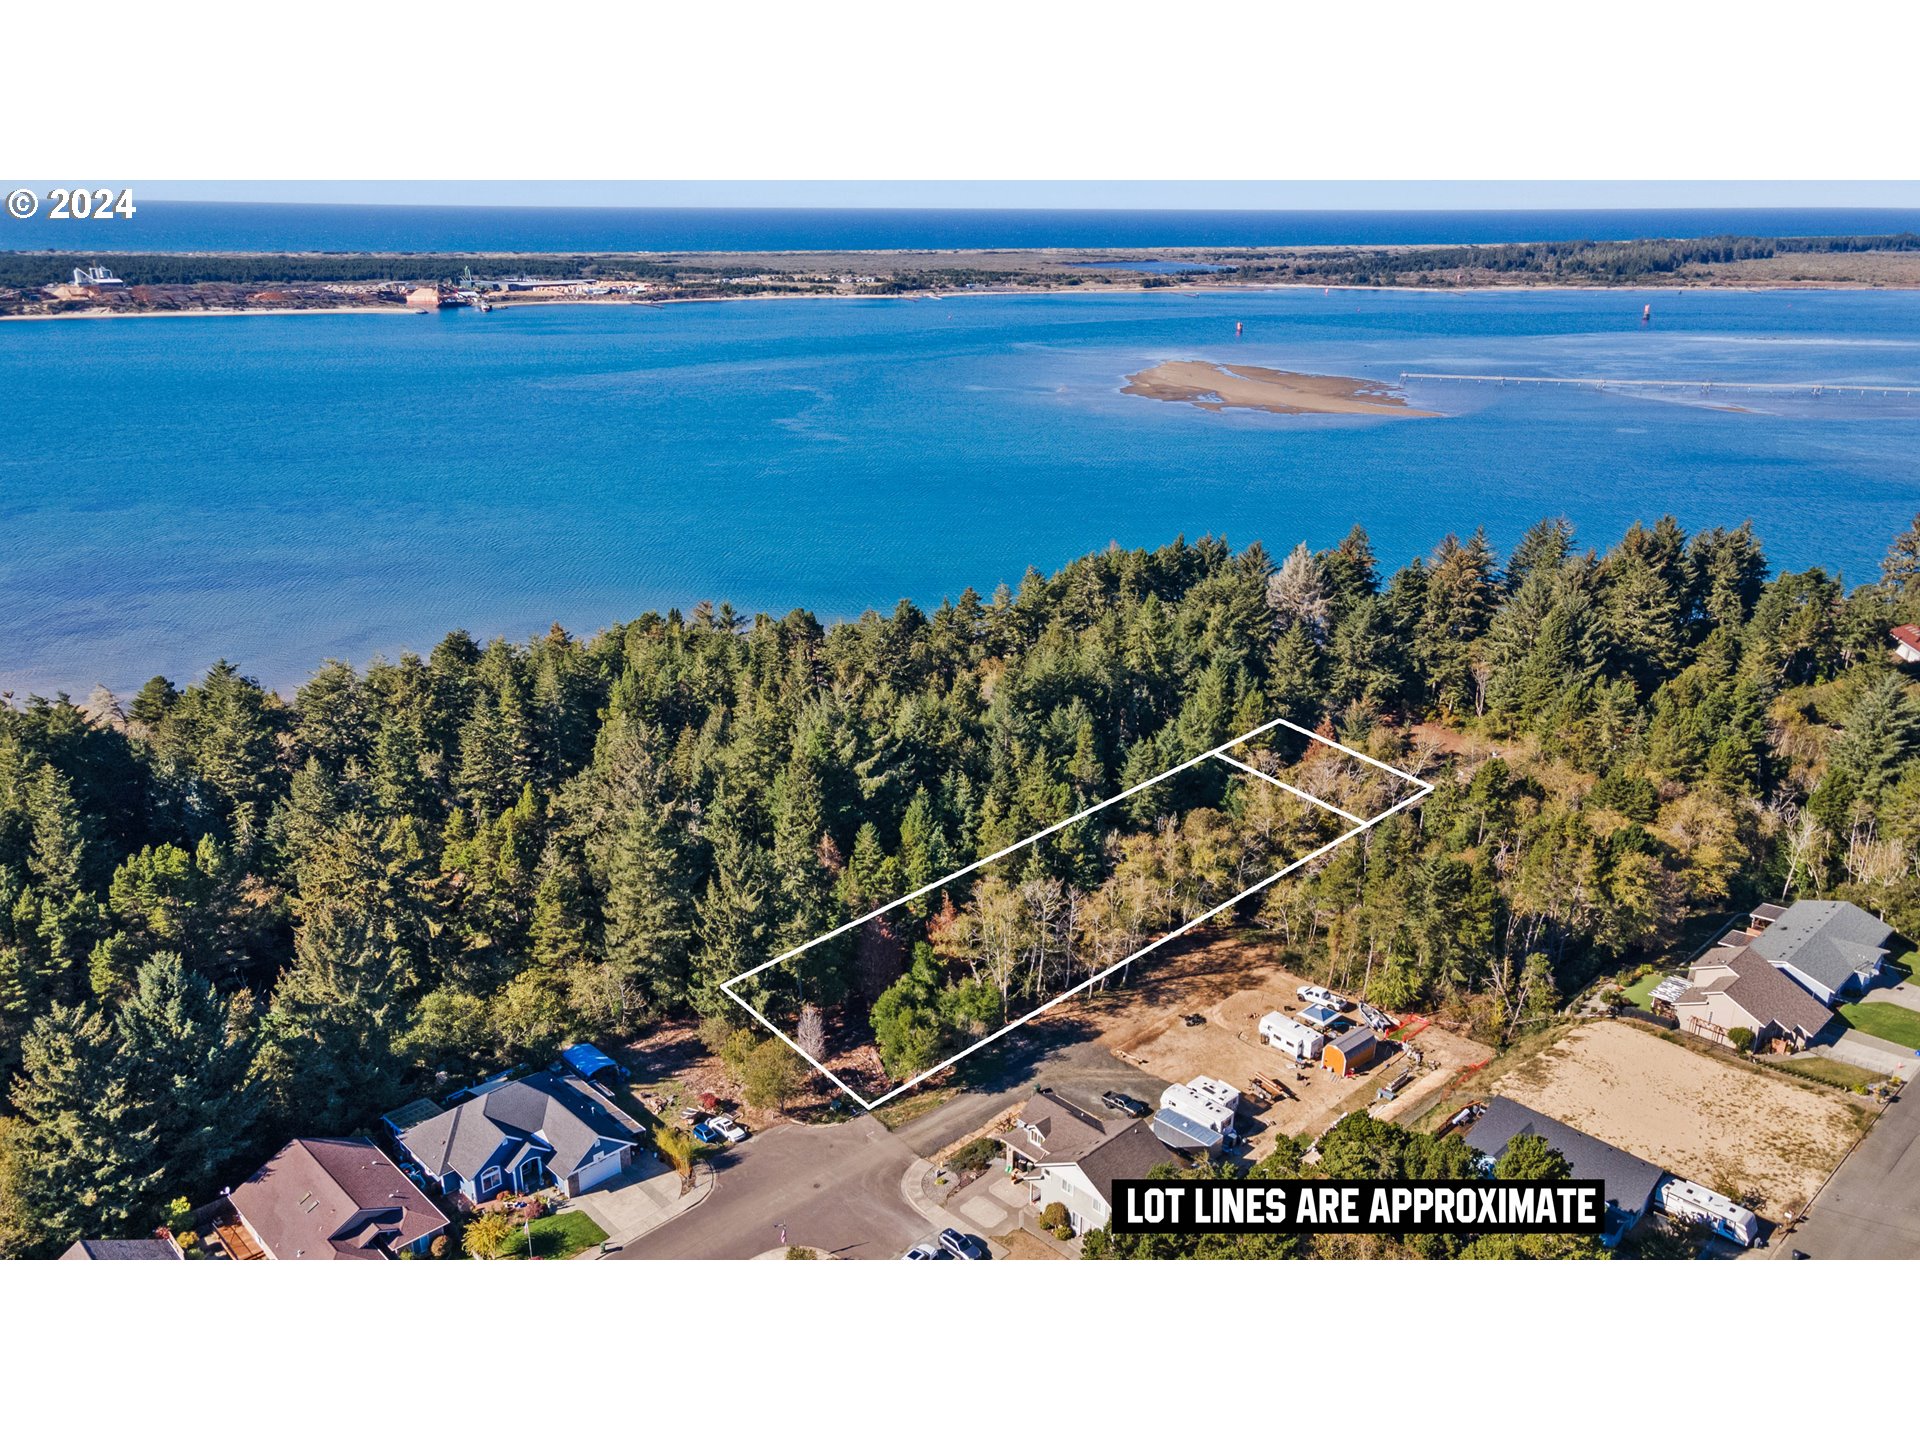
[(88, 1157), (187, 1054)]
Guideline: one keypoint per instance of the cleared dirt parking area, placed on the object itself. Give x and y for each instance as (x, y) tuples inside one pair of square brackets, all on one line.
[(1732, 1126), (1231, 980)]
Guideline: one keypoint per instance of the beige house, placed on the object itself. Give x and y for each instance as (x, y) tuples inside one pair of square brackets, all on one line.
[(1732, 988)]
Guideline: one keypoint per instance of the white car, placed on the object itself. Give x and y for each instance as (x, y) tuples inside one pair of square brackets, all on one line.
[(727, 1128)]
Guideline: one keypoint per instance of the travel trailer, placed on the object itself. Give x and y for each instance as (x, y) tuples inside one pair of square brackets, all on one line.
[(1301, 1042), (1684, 1200)]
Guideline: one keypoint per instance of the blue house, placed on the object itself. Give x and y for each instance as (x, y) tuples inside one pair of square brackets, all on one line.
[(524, 1135)]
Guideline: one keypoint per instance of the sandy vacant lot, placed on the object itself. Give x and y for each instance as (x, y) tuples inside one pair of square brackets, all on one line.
[(1232, 980), (1731, 1126)]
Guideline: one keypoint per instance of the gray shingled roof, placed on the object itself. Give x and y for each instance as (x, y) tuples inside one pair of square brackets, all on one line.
[(1628, 1179), (1763, 992), (1126, 1155), (556, 1115), (1053, 1130), (144, 1249), (1828, 941)]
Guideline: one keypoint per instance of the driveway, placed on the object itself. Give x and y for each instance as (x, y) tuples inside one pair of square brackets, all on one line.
[(645, 1196), (1870, 1209), (1870, 1052), (834, 1187)]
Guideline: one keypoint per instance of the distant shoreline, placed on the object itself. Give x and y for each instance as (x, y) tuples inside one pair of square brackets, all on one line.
[(1001, 292)]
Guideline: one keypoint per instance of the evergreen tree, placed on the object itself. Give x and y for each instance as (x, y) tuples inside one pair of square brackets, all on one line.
[(88, 1161)]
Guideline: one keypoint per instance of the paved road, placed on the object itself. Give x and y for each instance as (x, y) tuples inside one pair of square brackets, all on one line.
[(835, 1187), (1870, 1210), (1080, 1071)]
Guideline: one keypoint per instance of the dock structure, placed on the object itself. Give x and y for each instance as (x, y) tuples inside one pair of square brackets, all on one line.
[(1621, 382)]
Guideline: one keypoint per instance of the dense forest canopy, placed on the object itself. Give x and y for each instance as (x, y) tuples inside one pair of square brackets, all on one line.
[(226, 918)]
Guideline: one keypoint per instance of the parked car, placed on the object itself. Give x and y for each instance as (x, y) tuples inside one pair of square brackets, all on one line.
[(963, 1247), (1125, 1104), (926, 1251), (727, 1128), (704, 1132)]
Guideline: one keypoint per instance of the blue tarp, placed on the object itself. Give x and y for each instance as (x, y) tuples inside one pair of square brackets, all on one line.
[(588, 1060)]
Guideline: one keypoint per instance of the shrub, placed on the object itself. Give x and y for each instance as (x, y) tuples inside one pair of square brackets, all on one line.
[(1054, 1218), (770, 1076), (800, 1252), (1740, 1038), (975, 1154), (486, 1234), (715, 1031), (439, 1248), (677, 1147), (734, 1054)]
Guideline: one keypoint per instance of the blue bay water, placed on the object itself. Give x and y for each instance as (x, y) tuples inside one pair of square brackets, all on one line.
[(243, 226), (280, 489)]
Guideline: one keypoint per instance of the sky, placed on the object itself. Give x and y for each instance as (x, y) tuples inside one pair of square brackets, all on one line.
[(1069, 194)]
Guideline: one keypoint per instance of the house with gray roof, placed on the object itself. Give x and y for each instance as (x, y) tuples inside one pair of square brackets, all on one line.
[(1628, 1180), (1833, 949), (1732, 988), (1072, 1158), (159, 1246), (524, 1135)]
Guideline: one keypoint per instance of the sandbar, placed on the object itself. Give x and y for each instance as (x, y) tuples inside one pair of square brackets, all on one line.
[(1212, 386)]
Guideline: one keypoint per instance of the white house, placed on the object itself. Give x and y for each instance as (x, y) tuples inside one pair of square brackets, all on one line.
[(1072, 1158)]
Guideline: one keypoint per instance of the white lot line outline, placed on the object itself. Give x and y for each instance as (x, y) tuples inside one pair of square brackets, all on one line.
[(1217, 753)]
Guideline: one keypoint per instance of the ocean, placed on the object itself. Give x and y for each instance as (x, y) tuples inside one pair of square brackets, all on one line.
[(236, 226), (277, 490)]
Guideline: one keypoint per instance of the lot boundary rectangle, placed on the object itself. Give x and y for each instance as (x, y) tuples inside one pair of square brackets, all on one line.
[(1356, 825)]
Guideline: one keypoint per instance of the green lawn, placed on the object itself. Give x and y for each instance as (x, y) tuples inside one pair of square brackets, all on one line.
[(1836, 1072), (1889, 1022), (555, 1237), (1638, 992)]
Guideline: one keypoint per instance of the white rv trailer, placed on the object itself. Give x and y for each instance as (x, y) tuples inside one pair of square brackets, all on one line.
[(1200, 1107), (1688, 1201), (1302, 1042)]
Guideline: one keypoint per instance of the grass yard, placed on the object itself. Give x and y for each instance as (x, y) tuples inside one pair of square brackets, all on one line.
[(912, 1105), (1887, 1022), (555, 1237), (1641, 991), (1836, 1072)]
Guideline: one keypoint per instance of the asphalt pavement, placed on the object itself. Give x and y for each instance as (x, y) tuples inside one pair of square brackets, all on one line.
[(838, 1187), (1870, 1209), (834, 1187)]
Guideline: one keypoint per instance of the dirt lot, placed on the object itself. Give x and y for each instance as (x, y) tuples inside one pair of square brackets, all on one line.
[(1733, 1127), (1233, 980)]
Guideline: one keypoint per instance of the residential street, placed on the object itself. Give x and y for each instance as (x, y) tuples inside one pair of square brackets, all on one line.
[(838, 1187), (835, 1187), (1869, 1210)]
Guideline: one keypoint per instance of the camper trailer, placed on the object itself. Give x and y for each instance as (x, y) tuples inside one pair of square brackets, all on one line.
[(1291, 1037), (1204, 1107), (1684, 1200)]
